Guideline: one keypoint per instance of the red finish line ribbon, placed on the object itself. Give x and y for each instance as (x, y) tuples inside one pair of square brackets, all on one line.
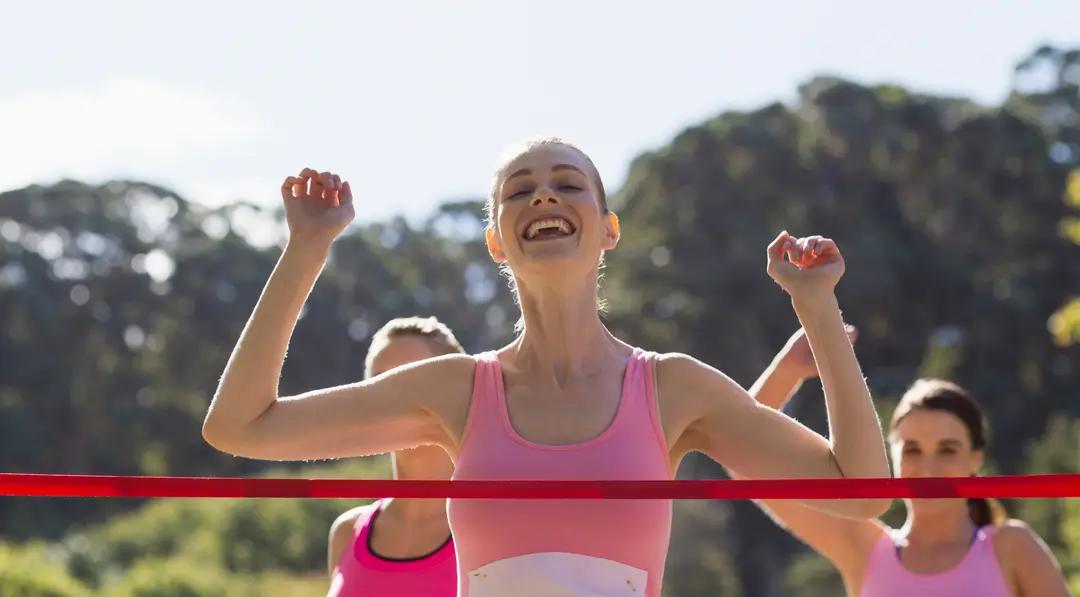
[(109, 486)]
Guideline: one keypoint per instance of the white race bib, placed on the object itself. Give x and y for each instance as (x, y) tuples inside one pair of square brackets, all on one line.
[(557, 574)]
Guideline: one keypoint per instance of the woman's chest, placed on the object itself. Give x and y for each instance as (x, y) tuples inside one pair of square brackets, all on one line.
[(571, 413)]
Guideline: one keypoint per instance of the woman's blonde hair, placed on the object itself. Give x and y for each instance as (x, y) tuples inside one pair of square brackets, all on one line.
[(438, 335)]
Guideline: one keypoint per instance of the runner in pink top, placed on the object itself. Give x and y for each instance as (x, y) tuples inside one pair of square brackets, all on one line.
[(508, 544), (574, 400), (947, 547), (410, 553), (361, 572)]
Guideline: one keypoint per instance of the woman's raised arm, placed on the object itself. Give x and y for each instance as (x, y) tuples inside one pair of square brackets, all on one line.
[(421, 404), (759, 442)]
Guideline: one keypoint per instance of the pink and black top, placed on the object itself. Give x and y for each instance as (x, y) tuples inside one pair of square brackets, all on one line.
[(363, 573)]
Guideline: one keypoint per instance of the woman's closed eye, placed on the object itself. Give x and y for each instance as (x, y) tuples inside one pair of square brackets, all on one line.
[(525, 192)]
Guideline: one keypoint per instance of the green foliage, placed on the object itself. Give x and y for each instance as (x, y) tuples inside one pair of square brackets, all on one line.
[(811, 575), (120, 304), (259, 535), (921, 194), (236, 536), (1065, 323), (696, 568), (1057, 451), (180, 578), (1051, 96), (1070, 559), (28, 571), (1057, 521)]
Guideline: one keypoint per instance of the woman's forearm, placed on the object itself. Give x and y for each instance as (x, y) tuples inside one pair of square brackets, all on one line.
[(854, 430), (249, 384), (776, 385)]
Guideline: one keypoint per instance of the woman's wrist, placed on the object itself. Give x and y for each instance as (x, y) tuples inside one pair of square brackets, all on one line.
[(308, 249), (784, 368), (816, 306)]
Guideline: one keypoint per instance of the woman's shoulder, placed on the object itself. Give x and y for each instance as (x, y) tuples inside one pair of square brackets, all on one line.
[(444, 367), (347, 521), (1018, 547), (678, 364), (689, 391), (441, 371), (1014, 536), (681, 377)]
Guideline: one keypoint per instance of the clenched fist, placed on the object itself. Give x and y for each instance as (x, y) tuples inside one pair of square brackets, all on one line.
[(805, 265), (318, 206)]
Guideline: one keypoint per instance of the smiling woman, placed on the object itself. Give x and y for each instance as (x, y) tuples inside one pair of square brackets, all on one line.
[(571, 177), (565, 400)]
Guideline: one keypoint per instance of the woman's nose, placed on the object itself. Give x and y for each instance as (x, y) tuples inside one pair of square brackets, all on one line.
[(928, 469), (544, 195), (914, 469)]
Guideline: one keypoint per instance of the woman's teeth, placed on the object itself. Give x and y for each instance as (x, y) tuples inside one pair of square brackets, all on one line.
[(558, 224)]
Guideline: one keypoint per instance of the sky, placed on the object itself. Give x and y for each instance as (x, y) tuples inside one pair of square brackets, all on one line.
[(413, 102)]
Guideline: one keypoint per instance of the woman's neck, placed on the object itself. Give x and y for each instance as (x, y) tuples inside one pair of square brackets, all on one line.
[(421, 463), (943, 524), (417, 510), (563, 333)]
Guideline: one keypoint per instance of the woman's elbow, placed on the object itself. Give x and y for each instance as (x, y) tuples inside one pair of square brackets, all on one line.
[(226, 429), (222, 434), (214, 435)]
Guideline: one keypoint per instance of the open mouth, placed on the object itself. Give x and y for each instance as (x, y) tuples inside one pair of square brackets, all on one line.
[(549, 228)]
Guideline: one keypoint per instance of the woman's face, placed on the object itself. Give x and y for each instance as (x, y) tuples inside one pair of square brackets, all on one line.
[(933, 443), (399, 351), (547, 211)]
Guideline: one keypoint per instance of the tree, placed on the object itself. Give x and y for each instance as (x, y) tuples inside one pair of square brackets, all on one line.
[(28, 571), (1048, 90)]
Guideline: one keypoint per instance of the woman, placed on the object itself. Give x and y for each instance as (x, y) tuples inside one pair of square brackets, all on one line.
[(410, 551), (946, 547), (564, 400)]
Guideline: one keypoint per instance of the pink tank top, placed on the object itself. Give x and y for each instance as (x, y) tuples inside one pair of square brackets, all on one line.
[(361, 573), (977, 573), (562, 548)]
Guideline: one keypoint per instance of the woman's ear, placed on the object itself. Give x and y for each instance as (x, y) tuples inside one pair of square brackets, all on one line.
[(493, 247), (611, 236)]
